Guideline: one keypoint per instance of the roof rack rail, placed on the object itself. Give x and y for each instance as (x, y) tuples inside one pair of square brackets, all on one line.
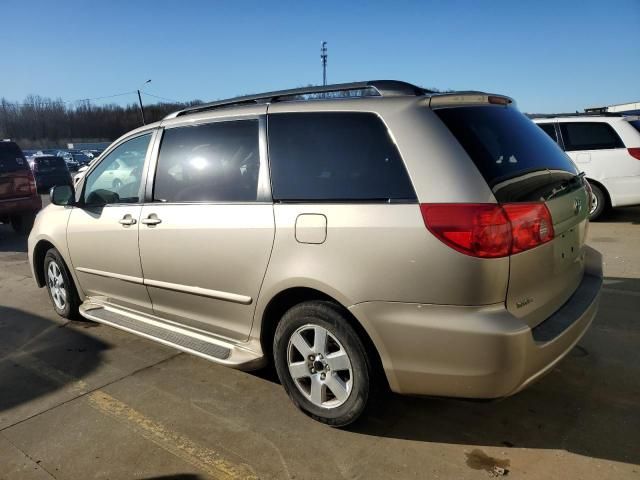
[(579, 114), (382, 88)]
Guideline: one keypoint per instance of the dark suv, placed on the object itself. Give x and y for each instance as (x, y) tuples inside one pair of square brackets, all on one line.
[(19, 199), (50, 171)]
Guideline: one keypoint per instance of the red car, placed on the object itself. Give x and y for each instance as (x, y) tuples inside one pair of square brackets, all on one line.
[(19, 199)]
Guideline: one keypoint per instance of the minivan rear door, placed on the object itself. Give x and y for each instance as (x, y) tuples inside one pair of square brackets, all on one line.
[(14, 172), (521, 163)]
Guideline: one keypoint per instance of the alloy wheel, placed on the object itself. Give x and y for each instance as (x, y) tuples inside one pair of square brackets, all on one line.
[(319, 366), (55, 281)]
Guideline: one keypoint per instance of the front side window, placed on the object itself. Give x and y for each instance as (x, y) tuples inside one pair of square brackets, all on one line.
[(589, 136), (215, 162), (337, 156), (118, 177)]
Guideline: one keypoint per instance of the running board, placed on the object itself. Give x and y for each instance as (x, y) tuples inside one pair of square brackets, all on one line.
[(210, 348)]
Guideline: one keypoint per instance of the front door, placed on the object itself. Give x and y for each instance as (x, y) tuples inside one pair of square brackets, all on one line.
[(103, 230), (207, 232)]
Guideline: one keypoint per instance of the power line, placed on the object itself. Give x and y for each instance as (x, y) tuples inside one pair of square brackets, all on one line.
[(161, 98)]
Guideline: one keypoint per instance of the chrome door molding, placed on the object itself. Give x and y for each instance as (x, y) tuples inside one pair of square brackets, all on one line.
[(118, 276), (202, 292)]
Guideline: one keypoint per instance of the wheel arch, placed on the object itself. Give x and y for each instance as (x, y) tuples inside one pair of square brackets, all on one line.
[(604, 189), (39, 252), (288, 298)]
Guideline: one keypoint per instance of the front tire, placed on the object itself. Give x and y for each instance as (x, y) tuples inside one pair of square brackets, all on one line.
[(62, 291), (598, 202), (322, 363)]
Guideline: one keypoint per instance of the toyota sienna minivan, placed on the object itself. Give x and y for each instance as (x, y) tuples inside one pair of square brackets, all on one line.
[(356, 236)]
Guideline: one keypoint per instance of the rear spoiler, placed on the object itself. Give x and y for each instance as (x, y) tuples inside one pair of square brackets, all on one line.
[(468, 98)]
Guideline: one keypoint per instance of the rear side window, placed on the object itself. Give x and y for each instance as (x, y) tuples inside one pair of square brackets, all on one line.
[(549, 129), (11, 158), (503, 143), (216, 162), (346, 156), (589, 136)]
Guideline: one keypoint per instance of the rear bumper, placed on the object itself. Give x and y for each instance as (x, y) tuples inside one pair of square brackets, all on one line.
[(475, 352), (20, 206)]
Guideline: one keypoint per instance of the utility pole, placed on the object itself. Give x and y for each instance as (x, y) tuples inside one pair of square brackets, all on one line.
[(140, 101), (141, 107), (323, 58)]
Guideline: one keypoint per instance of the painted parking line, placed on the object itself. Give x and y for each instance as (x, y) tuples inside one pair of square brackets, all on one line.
[(205, 459)]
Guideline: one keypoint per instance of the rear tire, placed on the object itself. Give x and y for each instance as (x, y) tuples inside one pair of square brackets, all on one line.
[(598, 203), (62, 291), (22, 224), (322, 363)]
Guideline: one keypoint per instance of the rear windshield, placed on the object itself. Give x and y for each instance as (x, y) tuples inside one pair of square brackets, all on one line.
[(51, 163), (11, 158), (635, 124), (503, 143)]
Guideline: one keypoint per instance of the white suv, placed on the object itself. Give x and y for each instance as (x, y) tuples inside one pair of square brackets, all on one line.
[(607, 149)]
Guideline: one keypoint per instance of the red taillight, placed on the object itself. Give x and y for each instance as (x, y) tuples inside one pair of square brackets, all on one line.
[(634, 152), (480, 230), (489, 230), (32, 184), (531, 225)]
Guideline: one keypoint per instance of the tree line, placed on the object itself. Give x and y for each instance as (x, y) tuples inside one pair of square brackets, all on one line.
[(41, 122)]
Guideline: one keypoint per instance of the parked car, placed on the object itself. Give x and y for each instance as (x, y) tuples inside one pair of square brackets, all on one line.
[(49, 171), (434, 242), (19, 199), (92, 153), (607, 149)]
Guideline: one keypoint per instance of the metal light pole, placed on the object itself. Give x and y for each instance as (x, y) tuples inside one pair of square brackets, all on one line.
[(323, 58), (140, 100)]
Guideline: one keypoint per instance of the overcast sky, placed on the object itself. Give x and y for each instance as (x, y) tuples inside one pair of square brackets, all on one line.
[(551, 56)]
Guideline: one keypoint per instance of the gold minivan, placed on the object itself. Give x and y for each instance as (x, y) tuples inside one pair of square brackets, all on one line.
[(355, 235)]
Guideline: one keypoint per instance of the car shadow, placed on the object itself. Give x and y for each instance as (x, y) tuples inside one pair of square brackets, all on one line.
[(180, 476), (587, 405), (39, 357), (10, 241), (622, 215)]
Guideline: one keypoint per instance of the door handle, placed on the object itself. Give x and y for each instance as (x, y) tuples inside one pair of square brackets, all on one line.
[(151, 220), (127, 220)]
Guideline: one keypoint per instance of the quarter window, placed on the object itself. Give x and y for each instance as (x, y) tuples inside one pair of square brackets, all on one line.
[(335, 157), (118, 177), (215, 162), (589, 136)]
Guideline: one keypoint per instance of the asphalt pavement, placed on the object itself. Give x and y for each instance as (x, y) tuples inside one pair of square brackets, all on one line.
[(80, 400)]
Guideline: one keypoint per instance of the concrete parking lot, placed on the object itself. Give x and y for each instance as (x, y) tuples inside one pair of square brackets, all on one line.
[(80, 400)]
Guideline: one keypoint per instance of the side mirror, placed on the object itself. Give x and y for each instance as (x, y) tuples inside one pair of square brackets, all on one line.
[(62, 195), (83, 168)]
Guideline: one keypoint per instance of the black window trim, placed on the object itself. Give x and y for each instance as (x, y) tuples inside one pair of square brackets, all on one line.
[(264, 182), (560, 136), (147, 160), (556, 128), (362, 201)]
